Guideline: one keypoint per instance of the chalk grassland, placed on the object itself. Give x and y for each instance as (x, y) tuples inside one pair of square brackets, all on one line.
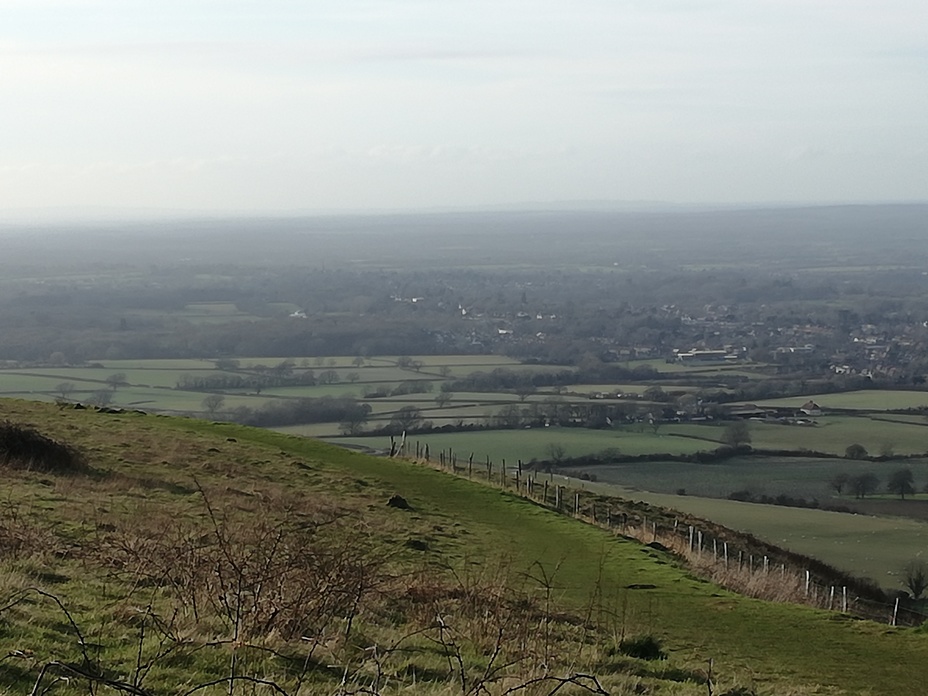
[(151, 461), (864, 545)]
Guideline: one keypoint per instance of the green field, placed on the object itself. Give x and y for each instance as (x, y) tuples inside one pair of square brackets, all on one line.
[(533, 443), (831, 434), (873, 547), (867, 400), (793, 476)]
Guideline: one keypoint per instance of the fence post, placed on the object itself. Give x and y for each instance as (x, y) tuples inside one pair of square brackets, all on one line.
[(725, 551), (808, 582), (691, 537), (544, 495), (766, 565), (470, 466), (844, 599), (895, 612), (577, 504), (831, 598), (502, 473)]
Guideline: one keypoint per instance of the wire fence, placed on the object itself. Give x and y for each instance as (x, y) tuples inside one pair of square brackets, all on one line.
[(735, 561)]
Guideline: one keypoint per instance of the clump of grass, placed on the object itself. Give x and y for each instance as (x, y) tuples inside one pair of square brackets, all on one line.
[(22, 447), (645, 647)]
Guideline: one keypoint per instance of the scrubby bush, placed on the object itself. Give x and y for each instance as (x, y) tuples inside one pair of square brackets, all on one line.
[(25, 448), (645, 647)]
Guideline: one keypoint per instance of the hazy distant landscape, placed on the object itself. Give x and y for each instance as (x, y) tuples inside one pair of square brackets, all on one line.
[(556, 339), (463, 349)]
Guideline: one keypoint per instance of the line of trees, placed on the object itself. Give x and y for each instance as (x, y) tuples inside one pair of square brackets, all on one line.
[(325, 409), (901, 482)]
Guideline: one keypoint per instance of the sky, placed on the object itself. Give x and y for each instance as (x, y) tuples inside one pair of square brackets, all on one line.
[(361, 105)]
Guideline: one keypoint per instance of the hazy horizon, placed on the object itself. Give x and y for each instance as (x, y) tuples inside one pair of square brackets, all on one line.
[(299, 108)]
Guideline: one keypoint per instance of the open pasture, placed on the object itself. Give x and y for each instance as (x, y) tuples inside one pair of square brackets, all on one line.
[(863, 400), (533, 443), (832, 434), (793, 476), (873, 547), (151, 384)]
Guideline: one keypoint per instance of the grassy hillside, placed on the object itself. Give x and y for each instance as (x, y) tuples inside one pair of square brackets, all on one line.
[(188, 552)]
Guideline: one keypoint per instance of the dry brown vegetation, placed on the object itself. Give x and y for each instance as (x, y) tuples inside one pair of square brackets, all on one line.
[(186, 564)]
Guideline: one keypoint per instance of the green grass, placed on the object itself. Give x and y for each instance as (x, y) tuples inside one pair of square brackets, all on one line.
[(778, 648), (831, 434), (874, 547), (793, 476), (868, 400), (532, 443)]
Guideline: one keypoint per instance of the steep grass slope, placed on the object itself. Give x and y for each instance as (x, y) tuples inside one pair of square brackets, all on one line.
[(192, 553)]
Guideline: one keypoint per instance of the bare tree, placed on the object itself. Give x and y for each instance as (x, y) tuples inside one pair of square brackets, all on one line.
[(863, 485), (555, 451), (101, 397), (213, 402), (737, 433), (64, 389), (901, 482), (838, 482), (117, 379), (856, 451)]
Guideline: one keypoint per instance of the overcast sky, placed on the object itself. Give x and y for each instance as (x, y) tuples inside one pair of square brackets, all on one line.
[(287, 105)]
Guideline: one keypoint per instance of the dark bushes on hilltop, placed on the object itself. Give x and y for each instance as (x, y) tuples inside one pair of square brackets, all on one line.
[(25, 448)]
